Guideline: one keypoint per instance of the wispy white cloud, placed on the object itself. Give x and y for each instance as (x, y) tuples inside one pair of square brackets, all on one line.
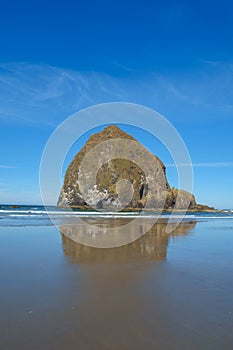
[(7, 167), (42, 94), (203, 165), (209, 85), (45, 95)]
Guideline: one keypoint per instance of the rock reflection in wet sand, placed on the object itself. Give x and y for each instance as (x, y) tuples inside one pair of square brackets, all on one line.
[(151, 246)]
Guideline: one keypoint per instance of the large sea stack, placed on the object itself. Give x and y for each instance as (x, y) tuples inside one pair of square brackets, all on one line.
[(120, 182)]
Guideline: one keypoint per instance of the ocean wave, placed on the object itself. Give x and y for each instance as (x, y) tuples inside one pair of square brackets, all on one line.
[(94, 215), (39, 215)]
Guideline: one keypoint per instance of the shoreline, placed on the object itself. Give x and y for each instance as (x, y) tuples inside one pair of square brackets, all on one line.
[(196, 210)]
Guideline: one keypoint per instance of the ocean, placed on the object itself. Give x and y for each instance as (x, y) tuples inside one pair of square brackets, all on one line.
[(37, 215), (163, 290)]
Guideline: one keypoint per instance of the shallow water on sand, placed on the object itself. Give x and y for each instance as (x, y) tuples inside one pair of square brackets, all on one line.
[(163, 291)]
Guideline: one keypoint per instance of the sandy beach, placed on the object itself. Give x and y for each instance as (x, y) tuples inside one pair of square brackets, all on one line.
[(151, 294)]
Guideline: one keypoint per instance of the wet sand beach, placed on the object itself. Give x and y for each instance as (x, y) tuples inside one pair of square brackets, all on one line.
[(162, 291)]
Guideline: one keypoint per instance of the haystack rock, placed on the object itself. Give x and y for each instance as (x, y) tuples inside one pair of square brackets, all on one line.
[(114, 171)]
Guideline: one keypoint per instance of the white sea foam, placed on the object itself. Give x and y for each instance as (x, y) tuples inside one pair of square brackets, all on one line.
[(62, 214), (92, 214)]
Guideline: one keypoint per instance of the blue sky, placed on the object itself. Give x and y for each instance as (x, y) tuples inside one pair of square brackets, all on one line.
[(173, 56)]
